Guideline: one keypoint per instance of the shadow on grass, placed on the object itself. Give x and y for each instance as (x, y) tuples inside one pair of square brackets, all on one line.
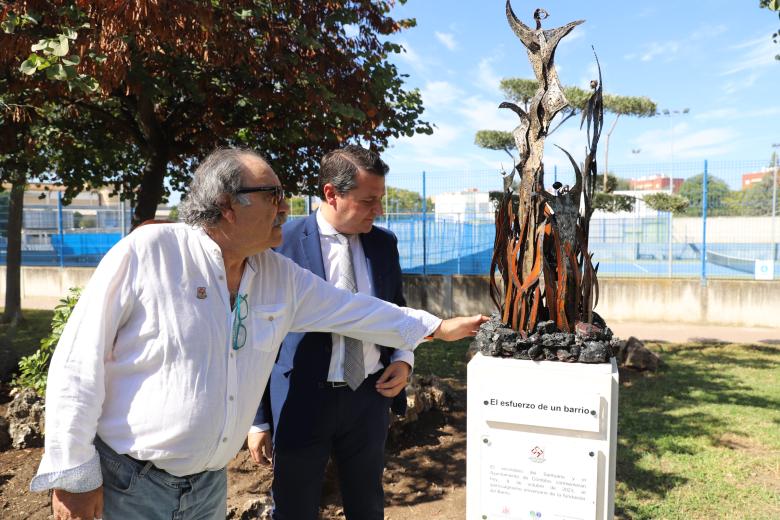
[(653, 417)]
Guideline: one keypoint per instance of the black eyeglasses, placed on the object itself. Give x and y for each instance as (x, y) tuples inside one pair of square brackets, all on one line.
[(277, 192)]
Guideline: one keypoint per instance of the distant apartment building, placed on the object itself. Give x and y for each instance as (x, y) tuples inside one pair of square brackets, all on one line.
[(467, 205), (748, 179), (655, 183)]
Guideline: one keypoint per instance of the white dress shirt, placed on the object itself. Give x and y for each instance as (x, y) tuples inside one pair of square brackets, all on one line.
[(146, 359), (329, 245)]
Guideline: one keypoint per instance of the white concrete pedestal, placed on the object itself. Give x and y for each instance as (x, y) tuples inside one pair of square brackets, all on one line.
[(541, 440)]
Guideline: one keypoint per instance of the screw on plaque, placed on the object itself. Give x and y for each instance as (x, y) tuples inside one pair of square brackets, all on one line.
[(593, 413), (591, 454), (486, 440)]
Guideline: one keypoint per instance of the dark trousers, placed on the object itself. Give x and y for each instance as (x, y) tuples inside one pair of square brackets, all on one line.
[(353, 429)]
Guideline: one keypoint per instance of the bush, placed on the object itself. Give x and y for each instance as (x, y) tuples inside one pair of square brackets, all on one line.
[(34, 368)]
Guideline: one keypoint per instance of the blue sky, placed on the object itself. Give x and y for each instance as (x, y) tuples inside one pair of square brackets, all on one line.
[(715, 58)]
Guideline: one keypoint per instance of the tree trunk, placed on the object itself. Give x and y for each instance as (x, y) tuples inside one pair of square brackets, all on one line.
[(152, 186), (13, 265), (151, 191)]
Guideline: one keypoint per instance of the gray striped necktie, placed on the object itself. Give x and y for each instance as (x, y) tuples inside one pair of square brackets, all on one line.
[(354, 367)]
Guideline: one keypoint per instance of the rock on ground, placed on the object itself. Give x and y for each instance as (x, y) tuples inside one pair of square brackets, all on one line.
[(633, 354), (25, 419)]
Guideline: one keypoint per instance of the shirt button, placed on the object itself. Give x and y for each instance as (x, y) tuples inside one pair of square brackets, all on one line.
[(221, 277), (224, 439), (270, 318), (232, 355), (231, 397)]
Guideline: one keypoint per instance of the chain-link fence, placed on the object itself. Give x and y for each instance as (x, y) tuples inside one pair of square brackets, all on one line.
[(444, 222)]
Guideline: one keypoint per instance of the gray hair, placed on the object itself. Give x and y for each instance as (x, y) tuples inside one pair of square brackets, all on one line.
[(339, 167), (216, 181)]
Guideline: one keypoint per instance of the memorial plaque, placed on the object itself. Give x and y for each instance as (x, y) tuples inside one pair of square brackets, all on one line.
[(524, 475), (541, 441)]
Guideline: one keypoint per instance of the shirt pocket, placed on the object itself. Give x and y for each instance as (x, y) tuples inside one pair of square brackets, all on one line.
[(267, 327)]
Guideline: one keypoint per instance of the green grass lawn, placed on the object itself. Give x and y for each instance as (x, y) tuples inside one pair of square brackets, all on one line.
[(22, 340), (27, 336), (699, 439)]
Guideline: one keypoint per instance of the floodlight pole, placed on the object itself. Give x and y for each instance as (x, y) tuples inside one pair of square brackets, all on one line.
[(670, 113)]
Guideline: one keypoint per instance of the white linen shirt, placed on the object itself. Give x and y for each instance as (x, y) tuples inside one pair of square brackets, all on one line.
[(146, 359), (329, 245)]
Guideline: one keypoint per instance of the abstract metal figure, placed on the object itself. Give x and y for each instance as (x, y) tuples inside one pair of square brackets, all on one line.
[(541, 247)]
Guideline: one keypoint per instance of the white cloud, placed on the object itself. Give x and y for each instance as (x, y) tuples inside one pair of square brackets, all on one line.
[(682, 143), (733, 113), (708, 32), (352, 30), (718, 113), (576, 34), (439, 94), (654, 49), (443, 136), (487, 78), (410, 56), (671, 49), (479, 113), (447, 39), (736, 85), (592, 73), (758, 53)]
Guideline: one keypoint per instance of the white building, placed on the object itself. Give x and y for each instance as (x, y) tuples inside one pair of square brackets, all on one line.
[(463, 206)]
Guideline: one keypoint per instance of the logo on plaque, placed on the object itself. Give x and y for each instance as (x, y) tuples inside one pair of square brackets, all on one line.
[(537, 454)]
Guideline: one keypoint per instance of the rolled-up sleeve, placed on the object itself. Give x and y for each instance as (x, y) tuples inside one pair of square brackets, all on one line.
[(322, 307), (75, 388)]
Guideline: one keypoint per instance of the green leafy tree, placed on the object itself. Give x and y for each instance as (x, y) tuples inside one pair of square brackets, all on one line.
[(757, 198), (717, 193), (175, 79), (666, 202), (405, 201), (521, 91), (28, 110), (773, 5), (34, 368), (605, 200), (297, 205), (613, 203), (613, 183)]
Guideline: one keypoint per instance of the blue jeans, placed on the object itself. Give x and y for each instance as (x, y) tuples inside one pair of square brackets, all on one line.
[(136, 489)]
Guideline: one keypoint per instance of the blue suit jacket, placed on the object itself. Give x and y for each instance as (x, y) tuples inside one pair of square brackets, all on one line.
[(297, 384)]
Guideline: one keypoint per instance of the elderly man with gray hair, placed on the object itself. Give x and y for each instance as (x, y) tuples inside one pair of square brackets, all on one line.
[(161, 367)]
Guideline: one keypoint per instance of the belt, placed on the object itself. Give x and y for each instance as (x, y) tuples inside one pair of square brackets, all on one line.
[(335, 384), (341, 384)]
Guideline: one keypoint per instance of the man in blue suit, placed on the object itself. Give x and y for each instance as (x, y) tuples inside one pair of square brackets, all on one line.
[(311, 406)]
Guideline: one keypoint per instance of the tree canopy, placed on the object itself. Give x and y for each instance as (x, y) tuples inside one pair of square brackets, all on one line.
[(163, 83), (772, 5), (717, 195), (521, 91), (399, 200)]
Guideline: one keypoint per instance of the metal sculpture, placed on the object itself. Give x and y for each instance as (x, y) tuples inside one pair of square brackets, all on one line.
[(541, 247)]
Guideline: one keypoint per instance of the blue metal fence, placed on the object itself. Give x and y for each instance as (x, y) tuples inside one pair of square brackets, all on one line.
[(714, 239)]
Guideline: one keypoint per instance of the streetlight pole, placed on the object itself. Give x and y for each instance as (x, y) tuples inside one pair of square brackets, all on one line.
[(670, 113)]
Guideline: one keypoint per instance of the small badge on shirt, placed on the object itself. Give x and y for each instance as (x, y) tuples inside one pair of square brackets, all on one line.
[(201, 294)]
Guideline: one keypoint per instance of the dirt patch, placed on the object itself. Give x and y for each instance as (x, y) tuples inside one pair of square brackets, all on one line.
[(425, 473)]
